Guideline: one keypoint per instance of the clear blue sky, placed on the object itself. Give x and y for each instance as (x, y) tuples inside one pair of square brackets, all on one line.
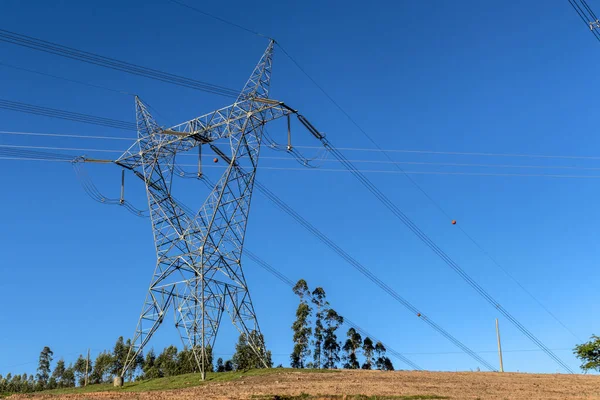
[(466, 76)]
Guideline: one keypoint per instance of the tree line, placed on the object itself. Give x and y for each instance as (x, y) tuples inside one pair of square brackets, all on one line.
[(315, 332)]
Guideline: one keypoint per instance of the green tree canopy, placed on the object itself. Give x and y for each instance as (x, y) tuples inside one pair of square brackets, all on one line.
[(368, 350), (318, 299), (43, 371), (59, 371), (79, 369), (220, 365), (68, 378), (351, 347), (301, 326), (246, 357), (382, 362), (150, 370), (102, 368), (167, 362), (119, 355), (589, 354), (331, 346), (187, 360)]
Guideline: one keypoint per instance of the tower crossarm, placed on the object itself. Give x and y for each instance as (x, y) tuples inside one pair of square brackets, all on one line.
[(207, 128)]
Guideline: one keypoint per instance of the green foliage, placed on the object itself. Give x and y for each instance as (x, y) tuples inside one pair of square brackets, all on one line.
[(246, 357), (6, 382), (43, 371), (351, 348), (368, 350), (52, 383), (79, 369), (102, 368), (589, 354), (301, 289), (187, 360), (382, 362), (57, 374), (119, 356), (387, 364), (68, 378), (167, 362), (318, 299), (301, 328), (150, 370), (331, 347), (220, 366), (17, 384)]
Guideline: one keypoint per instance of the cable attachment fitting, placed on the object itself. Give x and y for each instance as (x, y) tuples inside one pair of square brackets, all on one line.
[(122, 198), (289, 134), (310, 127)]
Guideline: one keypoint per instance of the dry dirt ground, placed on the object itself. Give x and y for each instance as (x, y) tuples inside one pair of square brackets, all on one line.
[(454, 385)]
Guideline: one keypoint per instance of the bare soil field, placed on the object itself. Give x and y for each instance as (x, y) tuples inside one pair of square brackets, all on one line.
[(452, 385)]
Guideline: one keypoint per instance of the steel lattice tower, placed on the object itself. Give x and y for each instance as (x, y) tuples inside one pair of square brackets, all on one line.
[(198, 271)]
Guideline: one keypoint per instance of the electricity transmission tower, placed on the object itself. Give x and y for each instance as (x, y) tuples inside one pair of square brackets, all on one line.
[(198, 270)]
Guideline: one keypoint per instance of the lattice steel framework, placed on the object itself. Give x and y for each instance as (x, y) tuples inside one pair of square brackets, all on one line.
[(198, 270)]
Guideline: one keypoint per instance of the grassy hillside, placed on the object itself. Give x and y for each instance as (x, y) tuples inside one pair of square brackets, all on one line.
[(179, 381)]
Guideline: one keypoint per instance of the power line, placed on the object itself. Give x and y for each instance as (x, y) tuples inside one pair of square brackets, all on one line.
[(482, 174), (112, 63), (585, 4), (21, 158), (439, 353), (68, 115), (65, 135), (220, 19), (585, 18), (60, 148), (9, 152), (460, 153), (437, 164)]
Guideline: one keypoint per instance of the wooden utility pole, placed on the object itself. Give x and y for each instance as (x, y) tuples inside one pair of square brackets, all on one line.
[(87, 364), (499, 346)]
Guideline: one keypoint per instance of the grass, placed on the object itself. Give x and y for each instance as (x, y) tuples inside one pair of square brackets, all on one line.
[(305, 396), (178, 382)]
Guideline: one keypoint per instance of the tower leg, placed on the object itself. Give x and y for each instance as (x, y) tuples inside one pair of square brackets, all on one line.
[(243, 317)]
